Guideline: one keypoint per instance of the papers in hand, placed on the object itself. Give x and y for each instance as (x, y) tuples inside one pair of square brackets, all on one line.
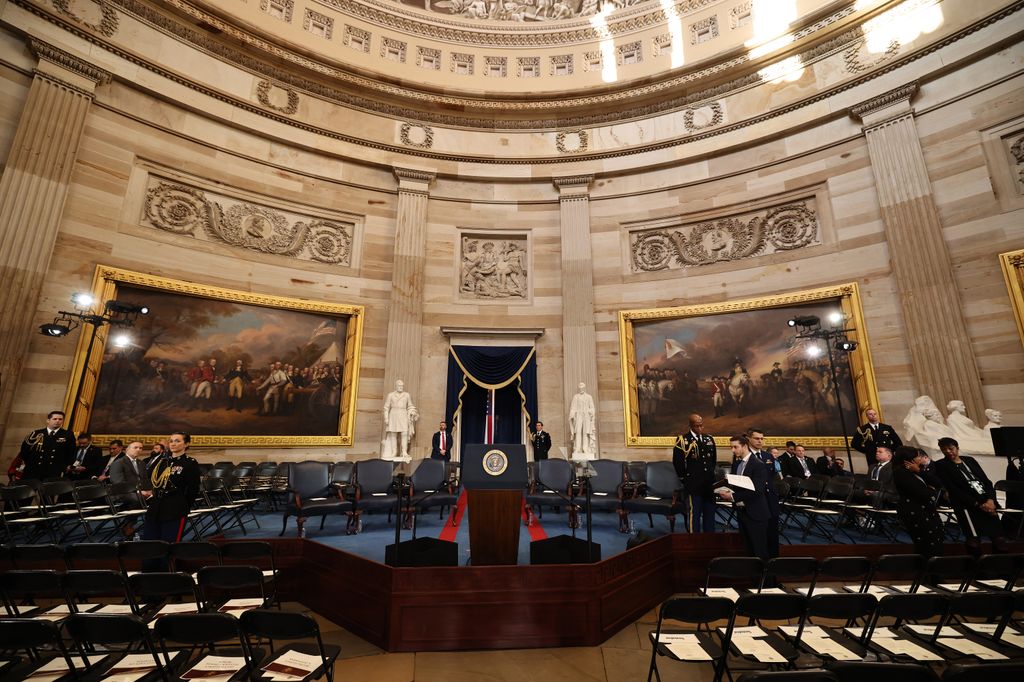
[(739, 481), (215, 667), (292, 665)]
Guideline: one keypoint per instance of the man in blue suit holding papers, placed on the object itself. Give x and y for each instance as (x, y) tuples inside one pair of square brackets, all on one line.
[(750, 497)]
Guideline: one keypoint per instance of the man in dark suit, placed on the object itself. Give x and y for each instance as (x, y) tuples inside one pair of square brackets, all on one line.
[(441, 443), (49, 451), (129, 469), (826, 464), (752, 506), (755, 436), (541, 440), (89, 460), (800, 465), (874, 434), (694, 457)]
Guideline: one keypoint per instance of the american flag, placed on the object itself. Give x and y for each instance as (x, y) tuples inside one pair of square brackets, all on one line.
[(489, 418)]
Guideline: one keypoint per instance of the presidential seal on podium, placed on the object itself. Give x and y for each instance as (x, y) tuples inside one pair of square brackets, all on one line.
[(495, 462)]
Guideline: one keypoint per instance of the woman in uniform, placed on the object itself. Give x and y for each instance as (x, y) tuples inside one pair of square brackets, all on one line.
[(175, 479)]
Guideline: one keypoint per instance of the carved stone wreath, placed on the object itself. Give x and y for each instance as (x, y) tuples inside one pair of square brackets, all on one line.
[(405, 134), (263, 96), (108, 22), (781, 228), (717, 116), (563, 136), (1017, 150), (188, 211)]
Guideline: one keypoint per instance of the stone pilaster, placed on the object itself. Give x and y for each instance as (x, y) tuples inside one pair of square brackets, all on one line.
[(579, 340), (33, 189), (405, 312), (944, 363)]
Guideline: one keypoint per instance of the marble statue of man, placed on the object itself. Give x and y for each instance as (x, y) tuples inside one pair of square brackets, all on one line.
[(581, 422), (995, 419), (400, 417), (972, 439)]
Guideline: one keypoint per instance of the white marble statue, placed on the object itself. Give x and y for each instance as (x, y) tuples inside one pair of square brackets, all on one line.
[(400, 417), (924, 426), (995, 419), (581, 423), (972, 439)]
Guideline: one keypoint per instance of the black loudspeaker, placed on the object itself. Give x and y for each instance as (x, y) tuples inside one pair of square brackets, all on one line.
[(1008, 441), (563, 549), (638, 539), (422, 552)]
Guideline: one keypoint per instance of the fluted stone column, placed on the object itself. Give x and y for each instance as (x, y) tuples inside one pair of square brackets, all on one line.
[(579, 340), (405, 312), (33, 189), (944, 363)]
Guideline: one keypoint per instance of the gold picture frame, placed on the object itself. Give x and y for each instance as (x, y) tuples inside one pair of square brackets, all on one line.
[(847, 296), (1012, 263), (87, 378)]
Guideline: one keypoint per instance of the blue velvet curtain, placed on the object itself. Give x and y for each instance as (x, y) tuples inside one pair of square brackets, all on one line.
[(511, 371)]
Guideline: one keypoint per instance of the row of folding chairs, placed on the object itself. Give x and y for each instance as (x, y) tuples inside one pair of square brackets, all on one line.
[(888, 574), (47, 594), (62, 510), (931, 628), (856, 671), (100, 646)]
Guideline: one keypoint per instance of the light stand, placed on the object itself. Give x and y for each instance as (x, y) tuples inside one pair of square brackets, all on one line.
[(836, 337), (584, 474), (115, 313), (399, 475)]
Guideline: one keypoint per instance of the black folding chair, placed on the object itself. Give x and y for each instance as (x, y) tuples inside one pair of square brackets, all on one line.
[(151, 591), (847, 608), (21, 589), (999, 571), (699, 611), (769, 607), (859, 671), (788, 676), (191, 556), (733, 569), (82, 585), (39, 557), (268, 624), (949, 573), (984, 672), (109, 631), (906, 569), (231, 589), (911, 608), (787, 569), (42, 643), (254, 553), (845, 568), (205, 630), (90, 555), (134, 557)]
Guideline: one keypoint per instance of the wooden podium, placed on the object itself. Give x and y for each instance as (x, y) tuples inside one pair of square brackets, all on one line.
[(495, 478)]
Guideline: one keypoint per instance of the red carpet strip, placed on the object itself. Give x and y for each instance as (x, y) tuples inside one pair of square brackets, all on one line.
[(536, 530), (451, 526)]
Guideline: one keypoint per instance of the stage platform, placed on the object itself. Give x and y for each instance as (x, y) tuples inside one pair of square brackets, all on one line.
[(508, 607)]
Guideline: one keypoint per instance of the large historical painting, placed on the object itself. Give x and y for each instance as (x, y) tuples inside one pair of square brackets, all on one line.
[(228, 367), (739, 365)]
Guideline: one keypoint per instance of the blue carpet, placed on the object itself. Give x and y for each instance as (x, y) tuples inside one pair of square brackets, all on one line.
[(378, 532)]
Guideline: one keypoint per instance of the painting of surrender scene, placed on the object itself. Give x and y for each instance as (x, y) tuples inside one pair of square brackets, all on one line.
[(226, 370), (742, 367)]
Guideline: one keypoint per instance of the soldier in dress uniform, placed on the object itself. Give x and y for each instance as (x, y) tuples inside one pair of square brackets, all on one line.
[(541, 440), (694, 457), (49, 451), (874, 434), (175, 484)]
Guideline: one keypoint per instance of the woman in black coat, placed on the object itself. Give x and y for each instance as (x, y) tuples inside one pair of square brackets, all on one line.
[(971, 495), (916, 506)]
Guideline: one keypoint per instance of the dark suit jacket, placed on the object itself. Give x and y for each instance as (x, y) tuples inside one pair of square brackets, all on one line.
[(756, 505), (867, 440), (961, 494), (435, 446), (824, 466), (93, 462), (792, 467), (541, 444)]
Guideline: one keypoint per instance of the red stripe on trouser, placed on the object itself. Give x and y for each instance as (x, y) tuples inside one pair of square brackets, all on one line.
[(181, 530)]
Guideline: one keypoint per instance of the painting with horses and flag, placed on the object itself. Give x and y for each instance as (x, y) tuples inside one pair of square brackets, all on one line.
[(739, 364)]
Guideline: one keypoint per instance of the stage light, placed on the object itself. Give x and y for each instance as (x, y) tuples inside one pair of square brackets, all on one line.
[(846, 346), (835, 318), (804, 321), (54, 329), (813, 351), (122, 340), (82, 301), (126, 308), (791, 323)]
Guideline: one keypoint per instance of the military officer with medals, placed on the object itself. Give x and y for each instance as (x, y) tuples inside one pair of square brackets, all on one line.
[(49, 451), (175, 483), (694, 458), (541, 440), (873, 435)]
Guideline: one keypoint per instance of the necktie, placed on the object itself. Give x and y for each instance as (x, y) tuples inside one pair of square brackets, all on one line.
[(874, 472), (81, 457), (135, 465), (804, 465), (442, 441), (739, 469)]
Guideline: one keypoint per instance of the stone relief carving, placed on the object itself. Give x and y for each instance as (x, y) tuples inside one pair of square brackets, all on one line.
[(519, 10), (493, 268), (630, 53), (572, 142), (704, 30), (94, 14), (189, 211), (857, 59), (779, 228), (707, 116), (279, 9), (267, 94), (318, 24), (1017, 151), (417, 136)]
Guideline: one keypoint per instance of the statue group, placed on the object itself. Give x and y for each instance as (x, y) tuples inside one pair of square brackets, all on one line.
[(924, 426)]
